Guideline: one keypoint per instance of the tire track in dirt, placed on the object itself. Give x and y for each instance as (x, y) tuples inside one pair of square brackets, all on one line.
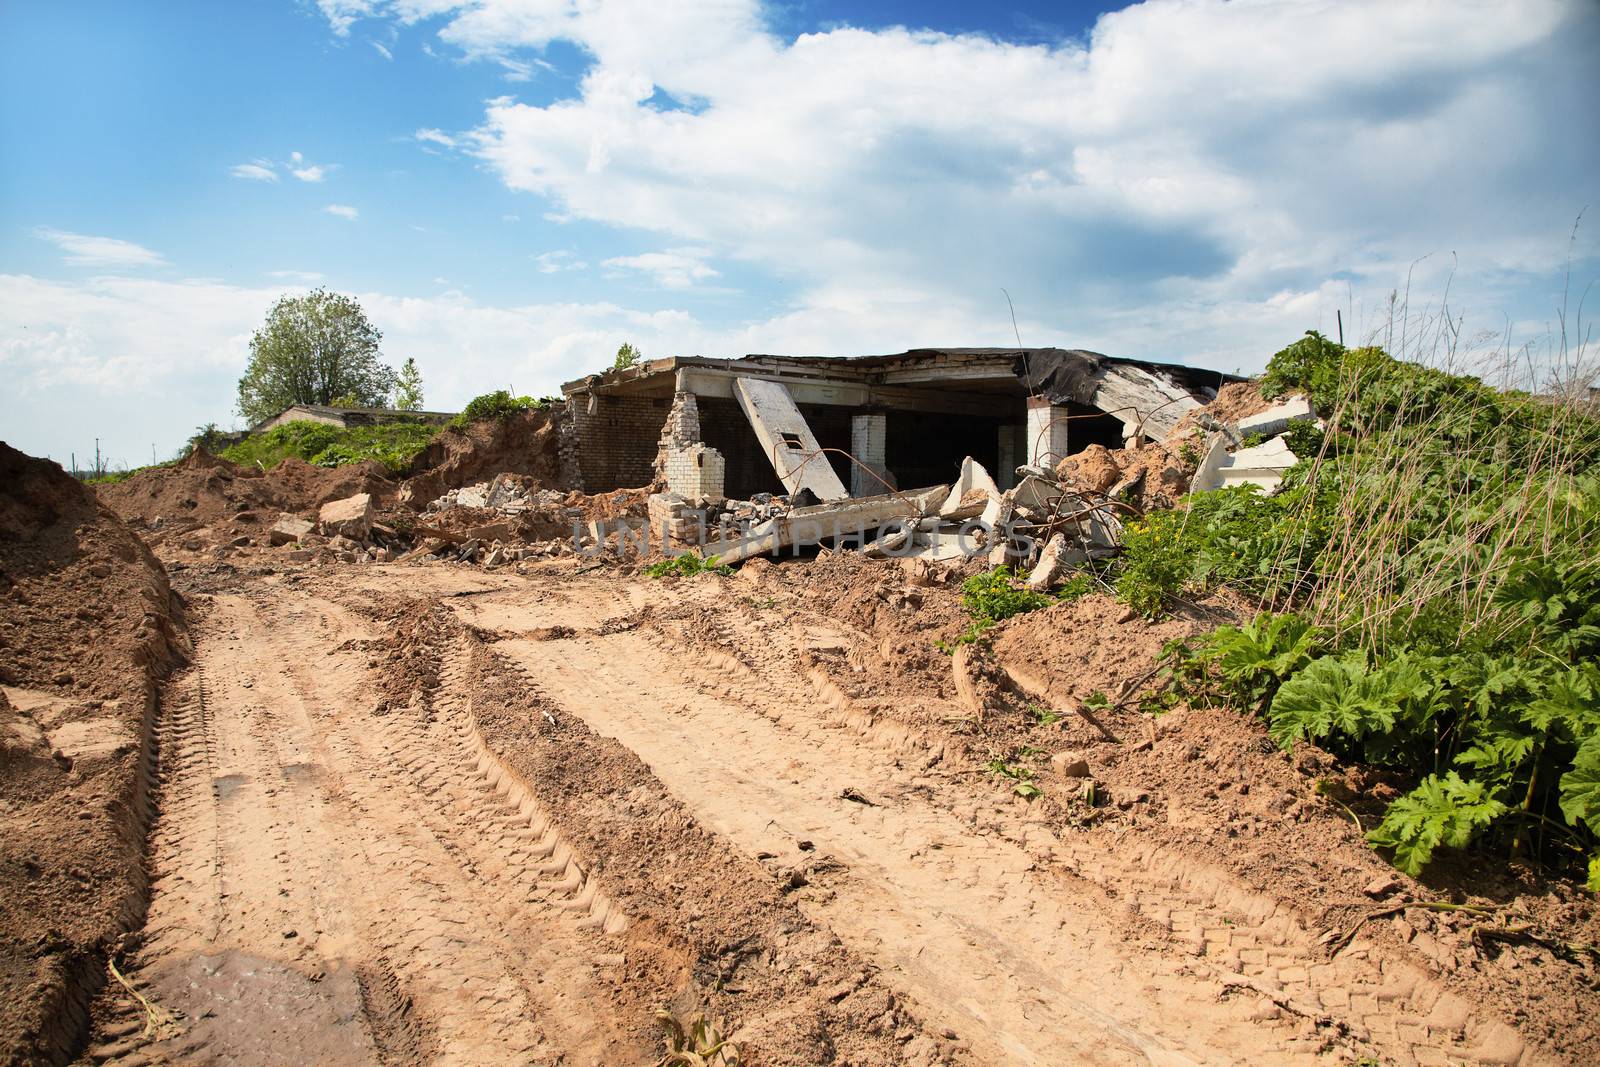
[(334, 887), (1238, 936), (1246, 976)]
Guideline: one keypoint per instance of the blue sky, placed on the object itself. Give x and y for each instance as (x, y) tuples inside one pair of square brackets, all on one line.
[(514, 187)]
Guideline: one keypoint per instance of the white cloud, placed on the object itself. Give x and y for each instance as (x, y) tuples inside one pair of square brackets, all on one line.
[(675, 268), (266, 170), (344, 211), (556, 262), (382, 51), (258, 171), (435, 136), (1189, 152), (306, 276), (82, 250)]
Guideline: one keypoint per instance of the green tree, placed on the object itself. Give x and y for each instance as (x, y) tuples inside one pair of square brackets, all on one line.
[(314, 349), (408, 388), (627, 356), (207, 437)]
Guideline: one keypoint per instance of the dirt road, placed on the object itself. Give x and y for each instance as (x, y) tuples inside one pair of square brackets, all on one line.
[(593, 803)]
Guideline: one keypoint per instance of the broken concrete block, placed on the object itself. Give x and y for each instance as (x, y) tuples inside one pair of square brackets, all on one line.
[(1208, 475), (973, 486), (350, 517), (1033, 470), (1051, 566), (289, 529), (495, 557), (1039, 494), (473, 496), (1262, 465), (1277, 418)]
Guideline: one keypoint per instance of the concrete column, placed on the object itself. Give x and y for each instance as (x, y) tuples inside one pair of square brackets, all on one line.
[(869, 436), (1047, 432)]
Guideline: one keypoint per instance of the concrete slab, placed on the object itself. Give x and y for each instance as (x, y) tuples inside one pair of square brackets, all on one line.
[(1277, 418), (969, 496), (786, 439), (810, 525)]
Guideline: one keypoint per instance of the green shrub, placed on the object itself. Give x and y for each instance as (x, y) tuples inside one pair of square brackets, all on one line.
[(499, 404)]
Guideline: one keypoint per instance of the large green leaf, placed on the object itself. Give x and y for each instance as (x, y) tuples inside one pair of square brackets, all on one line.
[(1443, 811)]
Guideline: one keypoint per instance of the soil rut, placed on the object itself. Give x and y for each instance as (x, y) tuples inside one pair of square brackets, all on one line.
[(336, 887), (1033, 949)]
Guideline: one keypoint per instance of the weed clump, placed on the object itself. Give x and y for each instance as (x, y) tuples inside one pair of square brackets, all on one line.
[(686, 566)]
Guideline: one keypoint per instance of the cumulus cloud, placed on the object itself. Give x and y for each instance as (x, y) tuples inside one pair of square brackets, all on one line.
[(344, 211), (1188, 151), (675, 268), (83, 250)]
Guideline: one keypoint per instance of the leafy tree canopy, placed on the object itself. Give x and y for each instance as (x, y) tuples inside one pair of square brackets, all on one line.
[(319, 348), (627, 356)]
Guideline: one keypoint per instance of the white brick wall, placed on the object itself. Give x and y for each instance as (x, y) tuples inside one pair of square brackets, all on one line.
[(696, 473), (1047, 432)]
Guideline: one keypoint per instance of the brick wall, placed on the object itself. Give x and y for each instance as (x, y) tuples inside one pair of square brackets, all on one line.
[(615, 444), (695, 473)]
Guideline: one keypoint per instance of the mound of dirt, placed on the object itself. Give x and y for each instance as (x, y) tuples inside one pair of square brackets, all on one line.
[(523, 444), (1237, 401), (88, 626), (204, 490)]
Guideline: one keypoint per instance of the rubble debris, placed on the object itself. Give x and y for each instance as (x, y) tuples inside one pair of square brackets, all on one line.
[(350, 517), (1054, 561), (1276, 419), (289, 530), (972, 492), (1261, 465)]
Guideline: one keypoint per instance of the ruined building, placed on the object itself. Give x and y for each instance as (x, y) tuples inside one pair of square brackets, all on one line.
[(711, 429)]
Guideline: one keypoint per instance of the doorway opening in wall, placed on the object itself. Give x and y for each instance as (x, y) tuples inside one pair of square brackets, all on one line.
[(923, 448), (1090, 426)]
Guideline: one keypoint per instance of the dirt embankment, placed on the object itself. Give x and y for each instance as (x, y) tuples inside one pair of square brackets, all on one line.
[(206, 490), (88, 625), (523, 444)]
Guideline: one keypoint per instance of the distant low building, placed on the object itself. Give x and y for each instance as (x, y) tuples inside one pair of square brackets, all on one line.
[(349, 417)]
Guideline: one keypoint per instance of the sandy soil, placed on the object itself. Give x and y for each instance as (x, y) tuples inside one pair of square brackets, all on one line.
[(429, 813), (88, 625)]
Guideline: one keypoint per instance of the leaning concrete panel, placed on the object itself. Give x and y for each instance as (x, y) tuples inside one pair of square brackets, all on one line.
[(788, 441)]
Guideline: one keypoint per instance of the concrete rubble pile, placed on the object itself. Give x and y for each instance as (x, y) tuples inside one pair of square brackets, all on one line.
[(346, 530), (1045, 524), (479, 523)]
